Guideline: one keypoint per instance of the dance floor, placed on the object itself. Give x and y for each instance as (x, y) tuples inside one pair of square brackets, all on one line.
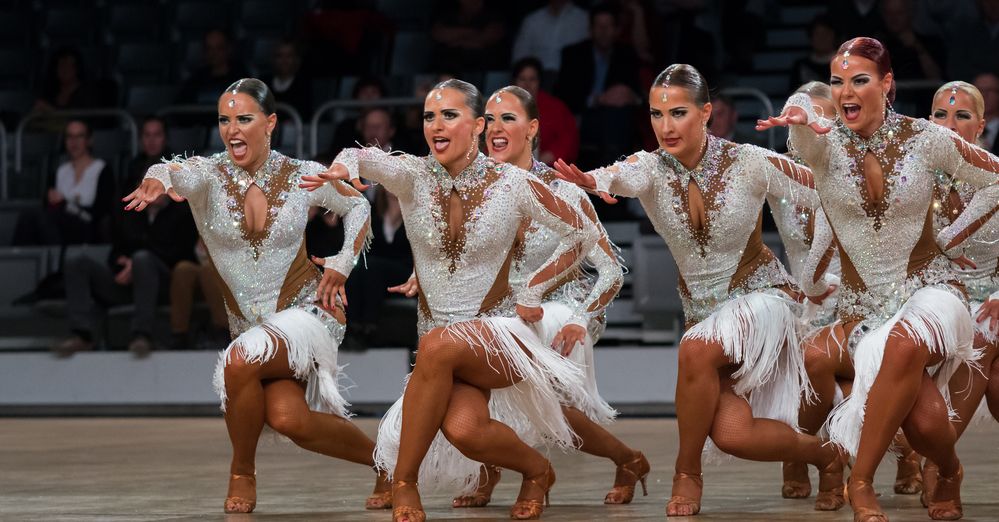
[(176, 469)]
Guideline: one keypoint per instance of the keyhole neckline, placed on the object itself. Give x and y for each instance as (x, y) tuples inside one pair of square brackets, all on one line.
[(705, 168), (471, 176), (261, 177), (885, 133)]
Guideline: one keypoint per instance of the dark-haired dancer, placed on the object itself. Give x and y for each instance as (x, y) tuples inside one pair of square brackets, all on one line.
[(901, 309), (741, 374), (466, 210), (287, 320)]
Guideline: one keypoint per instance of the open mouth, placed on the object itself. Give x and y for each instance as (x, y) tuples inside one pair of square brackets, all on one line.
[(499, 144), (441, 144), (851, 111), (671, 142), (238, 148)]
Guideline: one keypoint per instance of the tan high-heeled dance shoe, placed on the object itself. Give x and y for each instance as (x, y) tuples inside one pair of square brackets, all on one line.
[(240, 504), (908, 478), (795, 488), (531, 509), (380, 499), (677, 501), (863, 514), (407, 513), (635, 470), (479, 499), (950, 486), (831, 498)]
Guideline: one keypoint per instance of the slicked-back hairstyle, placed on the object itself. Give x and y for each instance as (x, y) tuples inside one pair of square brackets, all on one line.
[(473, 98), (873, 50), (689, 79), (526, 101), (257, 90), (970, 90)]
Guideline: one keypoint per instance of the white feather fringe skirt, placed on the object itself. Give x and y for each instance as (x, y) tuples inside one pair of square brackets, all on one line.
[(312, 338), (545, 380), (932, 315)]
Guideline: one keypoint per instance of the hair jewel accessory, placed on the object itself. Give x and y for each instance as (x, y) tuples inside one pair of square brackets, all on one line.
[(234, 92), (846, 56), (953, 96), (497, 98), (666, 86), (437, 95)]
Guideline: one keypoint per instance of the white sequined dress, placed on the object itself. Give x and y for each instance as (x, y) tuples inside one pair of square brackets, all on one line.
[(268, 282), (465, 289), (894, 272), (734, 291)]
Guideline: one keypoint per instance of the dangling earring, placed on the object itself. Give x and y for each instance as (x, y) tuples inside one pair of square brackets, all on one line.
[(268, 142), (468, 155)]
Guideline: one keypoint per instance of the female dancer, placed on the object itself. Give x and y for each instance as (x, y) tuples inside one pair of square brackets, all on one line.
[(900, 308), (467, 209), (574, 311), (281, 369), (741, 374), (959, 106)]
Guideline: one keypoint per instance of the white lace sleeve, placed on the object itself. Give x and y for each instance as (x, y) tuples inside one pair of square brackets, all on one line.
[(813, 278), (802, 140), (778, 176), (629, 178), (610, 274), (186, 176), (395, 171), (974, 166), (355, 213)]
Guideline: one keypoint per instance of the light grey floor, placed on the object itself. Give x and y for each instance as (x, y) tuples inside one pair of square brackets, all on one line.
[(176, 469)]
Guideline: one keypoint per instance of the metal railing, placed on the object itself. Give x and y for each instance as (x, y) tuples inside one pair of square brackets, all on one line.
[(281, 108), (333, 105), (3, 162), (120, 114), (756, 94)]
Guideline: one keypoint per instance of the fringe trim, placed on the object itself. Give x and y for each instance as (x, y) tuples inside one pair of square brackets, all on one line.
[(983, 327), (933, 316), (312, 356), (545, 380)]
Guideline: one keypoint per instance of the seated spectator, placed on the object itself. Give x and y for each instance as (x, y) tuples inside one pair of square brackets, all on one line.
[(79, 200), (913, 56), (598, 71), (679, 39), (218, 71), (558, 135), (348, 131), (815, 66), (378, 129), (64, 85), (988, 84), (724, 123), (188, 279), (144, 249), (545, 32), (853, 18), (468, 37), (972, 40), (390, 262), (288, 83), (152, 149)]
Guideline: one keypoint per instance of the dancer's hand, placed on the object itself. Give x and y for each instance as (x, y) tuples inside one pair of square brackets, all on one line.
[(567, 338), (819, 299), (572, 174), (530, 314), (149, 191), (989, 314), (964, 263), (791, 116), (337, 171), (409, 289), (331, 286)]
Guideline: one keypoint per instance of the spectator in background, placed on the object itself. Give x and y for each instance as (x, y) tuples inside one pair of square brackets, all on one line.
[(389, 263), (988, 84), (599, 71), (558, 137), (79, 199), (187, 279), (913, 56), (679, 39), (852, 18), (144, 249), (378, 129), (348, 131), (724, 123), (545, 32), (64, 85), (815, 66), (152, 145), (468, 37), (287, 82), (218, 71), (973, 41)]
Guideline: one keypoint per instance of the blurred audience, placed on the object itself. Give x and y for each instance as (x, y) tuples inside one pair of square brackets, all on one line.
[(680, 39), (188, 280), (288, 83), (545, 32), (468, 36), (348, 131), (815, 66), (79, 199), (852, 18), (973, 40), (724, 123), (988, 84), (145, 247), (219, 69), (152, 149), (914, 56), (64, 85), (390, 262), (558, 136)]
